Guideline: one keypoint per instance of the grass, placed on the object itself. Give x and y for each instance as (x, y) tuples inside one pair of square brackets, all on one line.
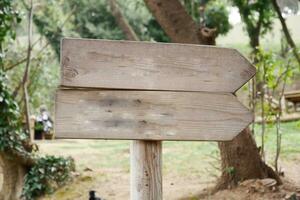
[(290, 140), (179, 157), (188, 167)]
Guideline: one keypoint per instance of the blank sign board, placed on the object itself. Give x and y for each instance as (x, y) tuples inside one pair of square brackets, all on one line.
[(151, 115), (152, 66), (150, 91)]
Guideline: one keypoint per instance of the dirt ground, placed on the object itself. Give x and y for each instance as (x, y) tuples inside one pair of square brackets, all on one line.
[(188, 169), (255, 189), (116, 187)]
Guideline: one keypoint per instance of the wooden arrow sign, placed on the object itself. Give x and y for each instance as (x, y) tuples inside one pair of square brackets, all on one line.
[(151, 115), (152, 66), (150, 91)]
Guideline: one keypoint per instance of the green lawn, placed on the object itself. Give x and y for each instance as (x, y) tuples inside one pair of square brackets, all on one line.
[(290, 140), (179, 157)]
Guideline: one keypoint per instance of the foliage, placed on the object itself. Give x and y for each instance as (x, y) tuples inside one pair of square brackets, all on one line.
[(93, 19), (44, 73), (155, 31), (230, 170), (142, 21), (44, 76), (210, 13), (11, 134), (274, 67), (258, 18), (52, 22), (273, 71), (216, 15), (46, 172), (49, 173), (8, 17)]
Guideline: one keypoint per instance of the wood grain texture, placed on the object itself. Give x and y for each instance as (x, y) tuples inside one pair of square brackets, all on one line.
[(149, 115), (152, 66), (146, 170)]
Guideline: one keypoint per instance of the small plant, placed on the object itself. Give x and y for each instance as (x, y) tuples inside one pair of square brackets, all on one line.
[(49, 173), (230, 170), (12, 136)]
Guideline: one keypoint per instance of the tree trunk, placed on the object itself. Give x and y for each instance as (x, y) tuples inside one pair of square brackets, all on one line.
[(26, 75), (240, 158), (11, 178), (241, 161), (178, 24)]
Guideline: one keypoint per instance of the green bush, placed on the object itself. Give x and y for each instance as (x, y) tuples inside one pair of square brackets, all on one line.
[(48, 172)]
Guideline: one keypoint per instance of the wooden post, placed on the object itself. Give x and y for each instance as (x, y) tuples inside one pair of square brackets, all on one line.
[(146, 170)]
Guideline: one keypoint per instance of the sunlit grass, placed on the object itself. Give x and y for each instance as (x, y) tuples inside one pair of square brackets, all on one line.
[(180, 158), (290, 142)]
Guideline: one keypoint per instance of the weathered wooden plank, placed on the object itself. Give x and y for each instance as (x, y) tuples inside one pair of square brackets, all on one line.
[(152, 66), (149, 115), (146, 170)]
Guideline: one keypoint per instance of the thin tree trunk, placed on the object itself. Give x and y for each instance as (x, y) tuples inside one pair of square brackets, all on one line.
[(240, 157), (1, 59), (278, 118), (286, 32), (252, 85), (122, 22), (263, 120), (27, 70)]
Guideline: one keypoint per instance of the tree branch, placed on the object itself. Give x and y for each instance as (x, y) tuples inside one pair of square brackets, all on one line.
[(174, 20), (27, 70), (10, 67), (122, 22), (287, 34)]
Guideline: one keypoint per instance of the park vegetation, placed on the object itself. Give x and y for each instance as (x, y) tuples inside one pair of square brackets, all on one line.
[(30, 34)]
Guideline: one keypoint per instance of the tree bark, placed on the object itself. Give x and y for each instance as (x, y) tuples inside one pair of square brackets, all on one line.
[(178, 24), (240, 158), (241, 161), (12, 178)]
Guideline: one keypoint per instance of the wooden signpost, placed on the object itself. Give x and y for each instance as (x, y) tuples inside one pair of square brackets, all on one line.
[(149, 92)]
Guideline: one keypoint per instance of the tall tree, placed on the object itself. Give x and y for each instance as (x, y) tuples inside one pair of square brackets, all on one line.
[(257, 17), (240, 157)]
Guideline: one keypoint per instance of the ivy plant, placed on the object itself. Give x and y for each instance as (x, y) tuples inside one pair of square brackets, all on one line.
[(45, 173), (49, 173)]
